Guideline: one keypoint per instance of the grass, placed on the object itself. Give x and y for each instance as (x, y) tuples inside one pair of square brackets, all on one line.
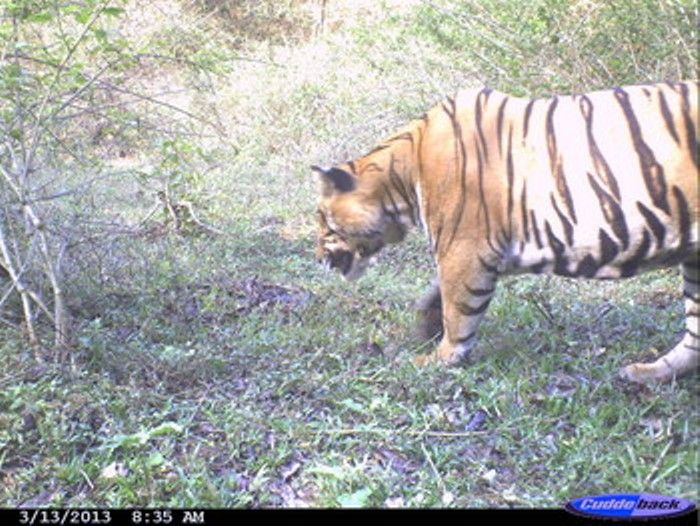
[(243, 388), (230, 371)]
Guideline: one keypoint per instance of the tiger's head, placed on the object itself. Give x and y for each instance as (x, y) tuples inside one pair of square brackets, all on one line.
[(352, 226)]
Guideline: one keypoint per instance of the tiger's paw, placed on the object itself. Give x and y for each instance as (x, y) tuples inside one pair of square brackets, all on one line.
[(444, 354), (642, 373)]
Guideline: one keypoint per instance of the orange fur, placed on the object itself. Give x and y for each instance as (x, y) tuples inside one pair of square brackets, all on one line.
[(596, 185)]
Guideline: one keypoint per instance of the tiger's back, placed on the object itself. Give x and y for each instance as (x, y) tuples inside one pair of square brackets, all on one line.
[(541, 172), (595, 185)]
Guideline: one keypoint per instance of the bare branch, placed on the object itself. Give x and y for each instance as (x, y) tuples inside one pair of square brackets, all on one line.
[(164, 104)]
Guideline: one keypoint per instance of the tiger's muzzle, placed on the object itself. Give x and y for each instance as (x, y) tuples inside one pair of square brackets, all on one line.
[(339, 259), (351, 264)]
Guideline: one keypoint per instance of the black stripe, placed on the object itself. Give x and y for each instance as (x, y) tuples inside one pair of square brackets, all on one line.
[(526, 121), (416, 218), (503, 240), (689, 125), (538, 267), (630, 267), (668, 118), (691, 297), (460, 154), (536, 230), (487, 267), (387, 192), (464, 339), (668, 364), (602, 169), (438, 236), (376, 149), (652, 172), (555, 162), (386, 211), (683, 217), (479, 129), (557, 246), (467, 310), (608, 248), (369, 166), (523, 209), (451, 102), (483, 205), (565, 223), (511, 176), (406, 136), (397, 183), (612, 212), (691, 280), (499, 122), (479, 292), (692, 333), (656, 226), (587, 267)]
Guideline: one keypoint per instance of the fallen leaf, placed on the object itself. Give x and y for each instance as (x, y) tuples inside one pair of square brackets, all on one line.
[(155, 460), (114, 470), (166, 428), (477, 421), (355, 500), (489, 476), (394, 503), (447, 498), (290, 470), (563, 385), (38, 501)]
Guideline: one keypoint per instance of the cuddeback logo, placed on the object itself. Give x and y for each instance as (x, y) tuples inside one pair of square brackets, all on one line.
[(630, 506)]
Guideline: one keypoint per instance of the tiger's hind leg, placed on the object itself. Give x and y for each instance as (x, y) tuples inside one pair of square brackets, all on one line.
[(685, 356), (430, 314)]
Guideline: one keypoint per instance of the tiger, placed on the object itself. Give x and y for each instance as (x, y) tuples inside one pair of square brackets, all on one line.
[(599, 185)]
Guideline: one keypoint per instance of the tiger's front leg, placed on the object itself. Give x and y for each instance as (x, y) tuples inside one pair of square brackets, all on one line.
[(465, 294)]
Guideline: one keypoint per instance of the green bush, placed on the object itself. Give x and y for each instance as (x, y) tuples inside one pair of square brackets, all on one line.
[(546, 46)]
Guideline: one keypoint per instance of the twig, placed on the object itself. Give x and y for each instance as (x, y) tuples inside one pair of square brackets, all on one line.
[(657, 464), (21, 289), (197, 221), (421, 433), (536, 299), (28, 160), (440, 483), (163, 103), (51, 270)]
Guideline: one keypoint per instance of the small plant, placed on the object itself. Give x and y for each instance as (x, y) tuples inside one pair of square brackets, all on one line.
[(71, 111), (550, 46)]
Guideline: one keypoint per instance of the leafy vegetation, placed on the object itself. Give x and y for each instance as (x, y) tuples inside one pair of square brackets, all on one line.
[(560, 46), (209, 361)]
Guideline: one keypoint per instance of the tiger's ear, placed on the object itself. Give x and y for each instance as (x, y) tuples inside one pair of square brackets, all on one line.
[(334, 180)]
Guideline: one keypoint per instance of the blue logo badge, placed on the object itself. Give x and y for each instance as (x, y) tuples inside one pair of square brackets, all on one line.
[(629, 506)]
